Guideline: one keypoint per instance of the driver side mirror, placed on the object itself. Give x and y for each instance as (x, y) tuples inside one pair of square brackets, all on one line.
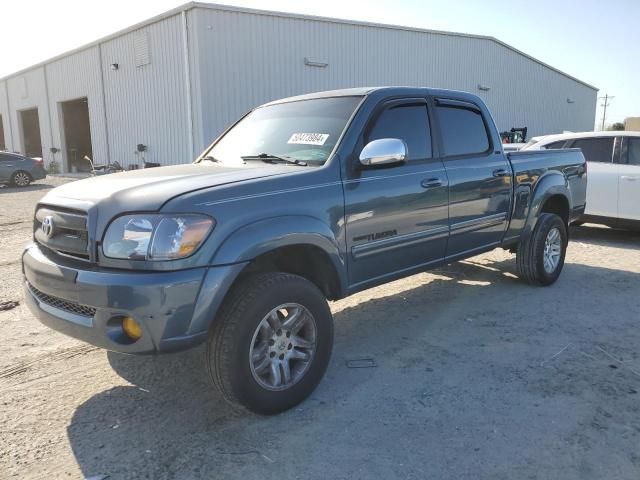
[(384, 151)]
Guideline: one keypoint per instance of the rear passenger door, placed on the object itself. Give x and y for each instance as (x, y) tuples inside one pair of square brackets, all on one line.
[(629, 181), (602, 185), (480, 184), (396, 215)]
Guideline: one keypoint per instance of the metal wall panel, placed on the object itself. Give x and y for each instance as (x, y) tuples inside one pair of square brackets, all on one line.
[(147, 104), (245, 59), (27, 91), (4, 113), (70, 78)]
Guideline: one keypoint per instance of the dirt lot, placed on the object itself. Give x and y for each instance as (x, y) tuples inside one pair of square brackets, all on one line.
[(477, 376)]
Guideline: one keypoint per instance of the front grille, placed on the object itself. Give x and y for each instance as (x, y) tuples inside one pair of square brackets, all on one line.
[(66, 305), (65, 231)]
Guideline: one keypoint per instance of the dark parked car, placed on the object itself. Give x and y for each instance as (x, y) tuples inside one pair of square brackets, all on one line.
[(303, 199), (20, 171)]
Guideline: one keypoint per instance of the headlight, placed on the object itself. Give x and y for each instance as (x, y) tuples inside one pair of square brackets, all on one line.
[(155, 237)]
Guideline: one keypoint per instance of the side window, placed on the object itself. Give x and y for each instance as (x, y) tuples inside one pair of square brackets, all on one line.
[(595, 149), (463, 130), (555, 145), (409, 123), (633, 149)]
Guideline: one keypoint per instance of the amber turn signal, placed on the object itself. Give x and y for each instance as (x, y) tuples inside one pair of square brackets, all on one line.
[(131, 328)]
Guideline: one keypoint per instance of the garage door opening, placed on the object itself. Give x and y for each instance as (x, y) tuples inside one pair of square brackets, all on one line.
[(30, 126), (3, 145), (77, 134)]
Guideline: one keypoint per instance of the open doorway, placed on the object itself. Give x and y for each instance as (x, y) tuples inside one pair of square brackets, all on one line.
[(3, 145), (77, 134), (30, 126)]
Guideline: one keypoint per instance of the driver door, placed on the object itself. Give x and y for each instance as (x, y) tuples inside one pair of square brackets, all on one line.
[(7, 166), (396, 215)]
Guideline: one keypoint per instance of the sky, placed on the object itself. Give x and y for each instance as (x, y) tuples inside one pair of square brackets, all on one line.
[(594, 41)]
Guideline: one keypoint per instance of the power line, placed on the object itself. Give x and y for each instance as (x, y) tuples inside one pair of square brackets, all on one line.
[(605, 104)]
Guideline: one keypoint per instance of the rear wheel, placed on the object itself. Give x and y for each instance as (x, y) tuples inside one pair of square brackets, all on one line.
[(540, 257), (20, 179), (270, 345)]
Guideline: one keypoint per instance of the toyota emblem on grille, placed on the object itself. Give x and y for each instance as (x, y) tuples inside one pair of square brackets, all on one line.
[(47, 226)]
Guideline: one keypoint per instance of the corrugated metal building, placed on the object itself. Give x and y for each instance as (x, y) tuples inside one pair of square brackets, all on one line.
[(174, 82)]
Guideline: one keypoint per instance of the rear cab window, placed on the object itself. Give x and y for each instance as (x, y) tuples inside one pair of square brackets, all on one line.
[(463, 129)]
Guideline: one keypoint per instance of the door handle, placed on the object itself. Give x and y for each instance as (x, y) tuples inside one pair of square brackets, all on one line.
[(629, 177), (431, 182), (501, 172)]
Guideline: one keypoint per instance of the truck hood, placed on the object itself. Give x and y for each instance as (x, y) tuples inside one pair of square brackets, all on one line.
[(148, 189)]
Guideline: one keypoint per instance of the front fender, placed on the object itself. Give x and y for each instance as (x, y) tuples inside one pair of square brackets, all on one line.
[(550, 184), (255, 239)]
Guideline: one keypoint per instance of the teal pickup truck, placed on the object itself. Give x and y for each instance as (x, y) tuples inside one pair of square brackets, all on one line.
[(304, 199)]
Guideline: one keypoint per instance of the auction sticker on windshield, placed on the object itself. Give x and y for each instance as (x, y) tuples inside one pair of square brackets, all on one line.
[(309, 138)]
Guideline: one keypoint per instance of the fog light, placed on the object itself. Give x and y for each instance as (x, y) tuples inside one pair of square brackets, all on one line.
[(131, 328)]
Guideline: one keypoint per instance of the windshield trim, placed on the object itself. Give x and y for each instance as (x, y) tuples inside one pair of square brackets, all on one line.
[(331, 154)]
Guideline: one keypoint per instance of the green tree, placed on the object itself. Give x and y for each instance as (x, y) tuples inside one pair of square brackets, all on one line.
[(616, 126)]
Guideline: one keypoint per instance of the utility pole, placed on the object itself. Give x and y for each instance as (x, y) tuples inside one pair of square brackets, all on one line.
[(606, 99)]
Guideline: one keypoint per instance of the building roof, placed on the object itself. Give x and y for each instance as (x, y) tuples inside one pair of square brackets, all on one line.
[(212, 6)]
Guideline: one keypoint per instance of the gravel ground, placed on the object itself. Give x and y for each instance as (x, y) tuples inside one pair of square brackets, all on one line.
[(477, 376)]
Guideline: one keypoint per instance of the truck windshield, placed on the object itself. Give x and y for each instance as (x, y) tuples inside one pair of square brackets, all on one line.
[(305, 131)]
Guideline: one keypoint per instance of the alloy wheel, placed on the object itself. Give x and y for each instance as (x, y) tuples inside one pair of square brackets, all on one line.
[(283, 347), (552, 250), (21, 179)]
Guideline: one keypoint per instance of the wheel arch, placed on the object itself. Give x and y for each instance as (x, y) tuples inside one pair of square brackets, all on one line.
[(558, 204), (551, 194), (296, 244)]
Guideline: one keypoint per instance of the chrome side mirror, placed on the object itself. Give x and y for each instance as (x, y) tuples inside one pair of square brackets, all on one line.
[(383, 151)]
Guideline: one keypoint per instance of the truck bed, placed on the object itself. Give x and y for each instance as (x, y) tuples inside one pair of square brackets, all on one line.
[(565, 168)]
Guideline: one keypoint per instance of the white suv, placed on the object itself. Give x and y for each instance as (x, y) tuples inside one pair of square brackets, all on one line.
[(613, 189)]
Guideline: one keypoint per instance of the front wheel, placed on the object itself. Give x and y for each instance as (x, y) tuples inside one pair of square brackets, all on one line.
[(540, 257), (270, 345)]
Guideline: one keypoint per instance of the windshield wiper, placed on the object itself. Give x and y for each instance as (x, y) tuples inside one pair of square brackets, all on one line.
[(270, 158)]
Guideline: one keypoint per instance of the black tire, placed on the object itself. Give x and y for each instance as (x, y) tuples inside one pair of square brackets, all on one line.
[(232, 335), (530, 255), (21, 179)]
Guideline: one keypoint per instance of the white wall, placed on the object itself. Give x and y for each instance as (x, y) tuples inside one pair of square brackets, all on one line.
[(141, 104), (147, 104), (27, 91), (4, 113), (239, 59), (245, 59), (72, 77)]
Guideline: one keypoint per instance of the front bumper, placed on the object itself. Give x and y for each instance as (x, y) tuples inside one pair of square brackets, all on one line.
[(174, 308)]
